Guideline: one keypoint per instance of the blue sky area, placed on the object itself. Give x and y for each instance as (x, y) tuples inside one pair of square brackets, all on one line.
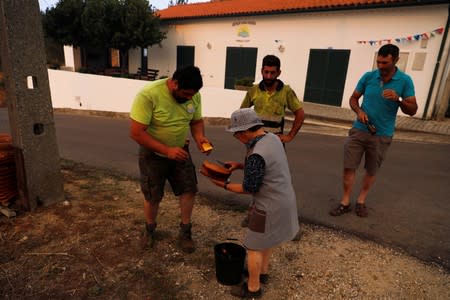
[(159, 4)]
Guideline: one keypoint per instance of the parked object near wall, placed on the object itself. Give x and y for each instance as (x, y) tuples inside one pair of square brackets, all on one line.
[(8, 182)]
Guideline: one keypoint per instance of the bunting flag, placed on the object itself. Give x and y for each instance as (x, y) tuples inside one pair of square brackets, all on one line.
[(411, 38)]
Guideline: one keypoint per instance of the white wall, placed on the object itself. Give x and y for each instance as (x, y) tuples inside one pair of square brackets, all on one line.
[(298, 33), (95, 92)]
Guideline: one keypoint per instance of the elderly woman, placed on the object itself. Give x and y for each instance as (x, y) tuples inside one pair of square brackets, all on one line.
[(273, 213)]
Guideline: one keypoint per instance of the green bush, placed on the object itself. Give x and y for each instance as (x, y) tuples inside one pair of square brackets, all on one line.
[(245, 81)]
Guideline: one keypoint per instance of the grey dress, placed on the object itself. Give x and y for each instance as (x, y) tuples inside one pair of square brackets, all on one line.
[(275, 197)]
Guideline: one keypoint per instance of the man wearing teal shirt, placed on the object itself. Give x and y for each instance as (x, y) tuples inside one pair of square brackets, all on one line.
[(385, 90), (162, 115)]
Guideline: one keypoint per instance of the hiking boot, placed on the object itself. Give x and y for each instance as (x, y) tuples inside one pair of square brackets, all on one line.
[(185, 238), (148, 238), (361, 210), (340, 210)]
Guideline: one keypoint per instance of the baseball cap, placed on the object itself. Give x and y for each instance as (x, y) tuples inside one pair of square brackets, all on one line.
[(243, 119)]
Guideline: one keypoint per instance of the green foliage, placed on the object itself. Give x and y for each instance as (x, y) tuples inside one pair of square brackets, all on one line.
[(63, 22), (119, 24)]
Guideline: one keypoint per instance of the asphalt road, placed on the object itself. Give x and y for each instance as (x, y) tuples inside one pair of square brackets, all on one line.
[(409, 204)]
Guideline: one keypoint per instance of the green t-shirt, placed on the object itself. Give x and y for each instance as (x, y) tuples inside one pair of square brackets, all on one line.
[(168, 121)]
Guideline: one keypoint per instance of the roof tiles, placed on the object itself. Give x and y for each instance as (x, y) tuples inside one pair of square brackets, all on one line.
[(220, 8)]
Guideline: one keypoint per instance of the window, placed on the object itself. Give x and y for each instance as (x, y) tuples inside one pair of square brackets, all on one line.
[(401, 64)]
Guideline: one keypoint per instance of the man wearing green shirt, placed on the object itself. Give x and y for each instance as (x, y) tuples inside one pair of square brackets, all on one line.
[(271, 97), (162, 115)]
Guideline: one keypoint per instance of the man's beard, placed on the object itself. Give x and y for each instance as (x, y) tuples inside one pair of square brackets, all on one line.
[(269, 82), (180, 100)]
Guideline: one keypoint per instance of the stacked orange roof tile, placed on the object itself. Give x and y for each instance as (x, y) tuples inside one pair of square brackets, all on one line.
[(221, 8), (8, 185)]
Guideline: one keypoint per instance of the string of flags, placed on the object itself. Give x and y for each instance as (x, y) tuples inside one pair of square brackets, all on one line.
[(410, 38)]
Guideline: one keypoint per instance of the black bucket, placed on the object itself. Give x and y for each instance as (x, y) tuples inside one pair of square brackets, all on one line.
[(230, 258)]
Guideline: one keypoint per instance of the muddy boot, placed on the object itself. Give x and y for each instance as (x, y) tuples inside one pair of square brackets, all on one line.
[(185, 238), (148, 238)]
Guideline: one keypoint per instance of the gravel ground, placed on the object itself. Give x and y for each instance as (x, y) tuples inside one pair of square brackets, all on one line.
[(89, 248)]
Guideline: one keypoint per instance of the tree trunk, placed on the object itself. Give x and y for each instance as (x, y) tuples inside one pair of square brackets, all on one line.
[(124, 60)]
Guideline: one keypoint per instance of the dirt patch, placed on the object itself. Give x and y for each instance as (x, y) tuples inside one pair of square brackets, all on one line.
[(90, 248)]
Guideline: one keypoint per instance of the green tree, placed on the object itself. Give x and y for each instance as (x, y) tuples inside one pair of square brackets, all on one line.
[(119, 24)]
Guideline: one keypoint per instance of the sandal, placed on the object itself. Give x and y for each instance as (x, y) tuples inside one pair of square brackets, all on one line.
[(361, 210), (242, 291), (340, 210)]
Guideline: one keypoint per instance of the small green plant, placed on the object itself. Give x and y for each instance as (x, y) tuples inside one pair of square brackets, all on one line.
[(245, 81)]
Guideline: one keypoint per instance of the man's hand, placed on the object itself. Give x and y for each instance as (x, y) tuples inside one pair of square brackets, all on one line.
[(390, 95), (285, 138), (354, 105), (362, 117), (177, 153)]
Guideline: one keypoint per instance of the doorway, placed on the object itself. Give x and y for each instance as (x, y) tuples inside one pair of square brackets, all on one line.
[(325, 79)]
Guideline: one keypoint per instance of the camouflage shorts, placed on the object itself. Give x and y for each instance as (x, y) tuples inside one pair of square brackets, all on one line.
[(155, 170)]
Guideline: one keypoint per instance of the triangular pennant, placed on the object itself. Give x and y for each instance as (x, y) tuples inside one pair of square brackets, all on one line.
[(415, 37), (440, 30)]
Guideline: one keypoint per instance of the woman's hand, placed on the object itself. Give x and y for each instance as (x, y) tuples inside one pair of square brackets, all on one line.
[(219, 183), (233, 165)]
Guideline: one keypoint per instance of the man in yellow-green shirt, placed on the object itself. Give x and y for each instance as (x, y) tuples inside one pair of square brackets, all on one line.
[(271, 97), (162, 115)]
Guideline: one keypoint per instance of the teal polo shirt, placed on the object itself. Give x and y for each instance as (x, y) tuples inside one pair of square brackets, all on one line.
[(382, 112)]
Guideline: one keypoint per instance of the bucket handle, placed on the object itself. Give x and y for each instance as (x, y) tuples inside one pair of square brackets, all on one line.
[(235, 240)]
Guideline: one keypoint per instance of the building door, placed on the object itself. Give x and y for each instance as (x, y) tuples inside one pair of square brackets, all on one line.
[(185, 56), (241, 62), (325, 79)]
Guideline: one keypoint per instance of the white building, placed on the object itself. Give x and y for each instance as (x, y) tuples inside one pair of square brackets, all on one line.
[(324, 46)]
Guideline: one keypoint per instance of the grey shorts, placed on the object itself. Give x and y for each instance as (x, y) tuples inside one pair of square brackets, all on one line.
[(373, 147), (155, 170)]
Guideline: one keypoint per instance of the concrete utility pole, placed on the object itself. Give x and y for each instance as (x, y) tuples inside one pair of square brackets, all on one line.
[(30, 109)]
